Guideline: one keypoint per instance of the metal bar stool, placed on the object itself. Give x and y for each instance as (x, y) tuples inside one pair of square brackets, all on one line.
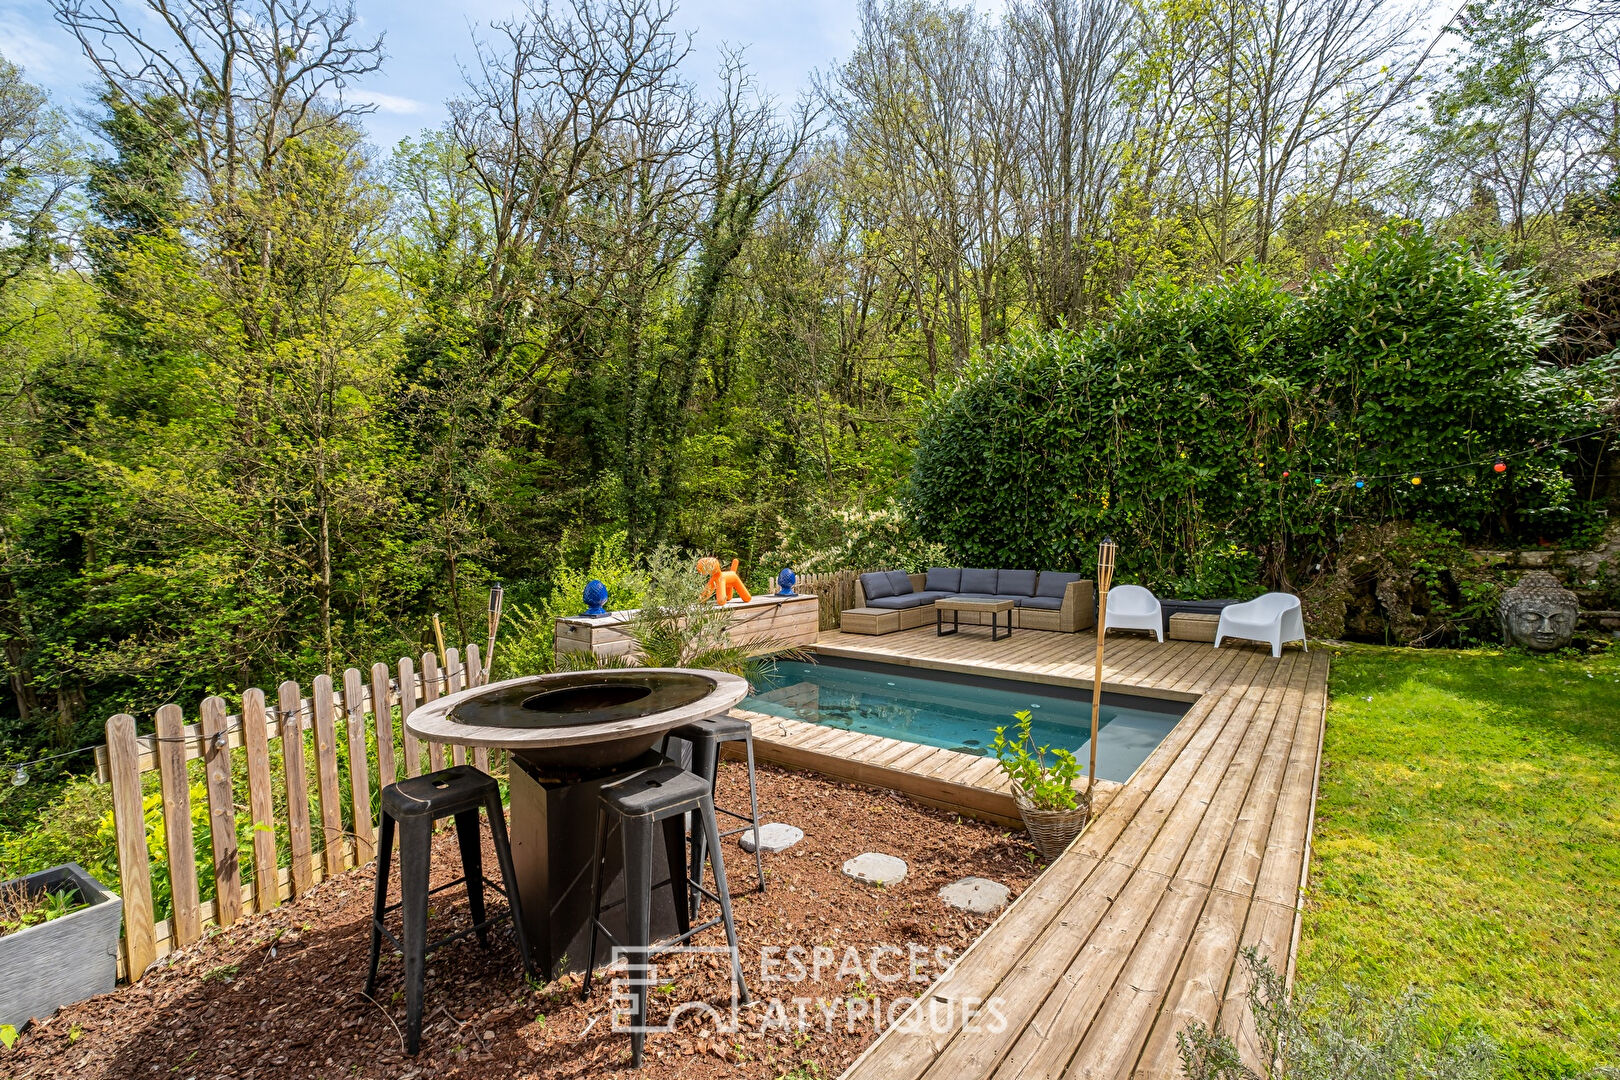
[(707, 737), (638, 804), (414, 805)]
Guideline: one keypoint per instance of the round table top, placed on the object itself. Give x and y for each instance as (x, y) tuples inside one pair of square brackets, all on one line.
[(434, 721)]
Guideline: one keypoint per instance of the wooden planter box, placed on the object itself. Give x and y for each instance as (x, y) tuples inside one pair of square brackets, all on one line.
[(65, 960), (1191, 627), (767, 621)]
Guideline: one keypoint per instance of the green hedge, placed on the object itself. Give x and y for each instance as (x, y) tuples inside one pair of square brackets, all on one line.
[(1219, 432)]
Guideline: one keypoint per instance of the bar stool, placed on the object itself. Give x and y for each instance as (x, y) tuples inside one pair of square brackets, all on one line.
[(637, 804), (707, 737), (415, 805)]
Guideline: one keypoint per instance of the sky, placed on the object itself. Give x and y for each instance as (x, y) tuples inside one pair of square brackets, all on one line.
[(785, 42)]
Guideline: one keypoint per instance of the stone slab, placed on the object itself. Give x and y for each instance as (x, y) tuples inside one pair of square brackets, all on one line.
[(977, 895), (773, 836), (875, 868)]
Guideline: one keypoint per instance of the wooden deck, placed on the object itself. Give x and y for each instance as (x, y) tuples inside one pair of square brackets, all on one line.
[(1137, 929)]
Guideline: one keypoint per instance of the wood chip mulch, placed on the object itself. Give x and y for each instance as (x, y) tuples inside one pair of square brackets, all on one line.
[(279, 995)]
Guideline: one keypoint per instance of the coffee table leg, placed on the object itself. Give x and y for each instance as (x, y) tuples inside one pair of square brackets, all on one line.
[(939, 624)]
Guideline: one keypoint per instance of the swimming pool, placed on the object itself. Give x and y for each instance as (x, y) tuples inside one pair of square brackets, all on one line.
[(960, 712)]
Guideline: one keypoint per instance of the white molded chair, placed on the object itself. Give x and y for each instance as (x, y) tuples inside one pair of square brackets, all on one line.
[(1275, 617), (1131, 607)]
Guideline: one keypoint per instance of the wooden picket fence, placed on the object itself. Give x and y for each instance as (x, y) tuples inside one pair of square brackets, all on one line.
[(835, 590), (367, 714)]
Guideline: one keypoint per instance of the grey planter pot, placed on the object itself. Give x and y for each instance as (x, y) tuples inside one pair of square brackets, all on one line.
[(65, 960)]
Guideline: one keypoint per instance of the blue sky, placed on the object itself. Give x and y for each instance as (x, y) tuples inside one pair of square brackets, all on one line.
[(785, 42)]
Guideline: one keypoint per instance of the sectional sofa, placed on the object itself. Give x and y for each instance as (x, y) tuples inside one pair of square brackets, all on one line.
[(890, 600)]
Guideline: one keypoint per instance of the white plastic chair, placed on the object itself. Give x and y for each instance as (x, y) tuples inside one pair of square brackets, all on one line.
[(1275, 617), (1131, 607)]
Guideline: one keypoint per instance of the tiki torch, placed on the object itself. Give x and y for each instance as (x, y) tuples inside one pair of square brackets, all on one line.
[(1105, 574), (496, 598)]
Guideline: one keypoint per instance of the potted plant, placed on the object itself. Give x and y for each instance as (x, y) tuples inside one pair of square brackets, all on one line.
[(58, 942), (1053, 811)]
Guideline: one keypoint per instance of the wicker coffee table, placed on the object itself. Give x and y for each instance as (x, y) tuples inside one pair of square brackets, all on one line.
[(958, 604)]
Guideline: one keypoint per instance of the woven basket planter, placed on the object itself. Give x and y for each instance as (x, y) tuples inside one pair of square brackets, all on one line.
[(1052, 830)]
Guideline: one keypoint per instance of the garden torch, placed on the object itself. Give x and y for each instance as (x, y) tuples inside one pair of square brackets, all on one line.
[(1105, 574)]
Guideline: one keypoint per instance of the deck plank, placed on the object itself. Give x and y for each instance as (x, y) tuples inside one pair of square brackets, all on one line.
[(1138, 929)]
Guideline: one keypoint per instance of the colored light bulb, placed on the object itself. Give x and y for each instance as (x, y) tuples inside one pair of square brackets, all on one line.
[(1500, 466)]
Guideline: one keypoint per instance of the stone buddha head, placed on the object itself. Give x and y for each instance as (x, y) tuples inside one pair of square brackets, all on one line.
[(1538, 613)]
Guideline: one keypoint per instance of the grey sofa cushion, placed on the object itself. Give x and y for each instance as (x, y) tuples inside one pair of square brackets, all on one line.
[(899, 583), (928, 596), (898, 603), (876, 585), (1015, 583), (1053, 583), (947, 579), (978, 582), (1045, 603)]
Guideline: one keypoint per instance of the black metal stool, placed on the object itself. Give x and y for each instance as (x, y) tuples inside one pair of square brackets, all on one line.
[(638, 803), (415, 805), (707, 737)]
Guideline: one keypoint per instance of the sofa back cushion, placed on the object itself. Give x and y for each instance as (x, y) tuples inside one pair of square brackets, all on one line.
[(979, 581), (1053, 583), (876, 585), (1015, 583), (899, 583), (944, 579)]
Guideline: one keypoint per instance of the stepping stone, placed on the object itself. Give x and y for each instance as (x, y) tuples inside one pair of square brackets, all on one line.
[(976, 895), (773, 837), (875, 868)]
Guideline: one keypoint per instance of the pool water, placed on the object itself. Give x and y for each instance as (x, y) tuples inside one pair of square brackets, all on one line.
[(961, 712)]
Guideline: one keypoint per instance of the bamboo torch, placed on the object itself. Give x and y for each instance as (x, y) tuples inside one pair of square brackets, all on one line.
[(497, 597), (438, 636), (1105, 574)]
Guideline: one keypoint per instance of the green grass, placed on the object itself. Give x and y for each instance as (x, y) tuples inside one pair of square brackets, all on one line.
[(1468, 844)]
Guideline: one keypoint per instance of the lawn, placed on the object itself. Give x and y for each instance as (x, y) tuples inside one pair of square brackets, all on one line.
[(1468, 845)]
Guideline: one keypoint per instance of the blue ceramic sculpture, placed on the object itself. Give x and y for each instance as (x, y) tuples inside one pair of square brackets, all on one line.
[(595, 597), (786, 580)]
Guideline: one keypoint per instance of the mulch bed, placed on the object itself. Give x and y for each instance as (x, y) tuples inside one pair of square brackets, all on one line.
[(279, 995)]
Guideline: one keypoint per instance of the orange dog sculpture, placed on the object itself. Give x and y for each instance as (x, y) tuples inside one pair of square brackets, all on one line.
[(722, 583)]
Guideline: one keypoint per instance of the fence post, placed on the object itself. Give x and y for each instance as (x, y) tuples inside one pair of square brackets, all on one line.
[(477, 676), (171, 754), (354, 704), (289, 698), (221, 812), (261, 802), (455, 676), (326, 774), (134, 861), (407, 705), (382, 710), (430, 692)]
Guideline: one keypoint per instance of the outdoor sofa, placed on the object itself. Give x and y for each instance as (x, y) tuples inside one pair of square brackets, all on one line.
[(890, 600)]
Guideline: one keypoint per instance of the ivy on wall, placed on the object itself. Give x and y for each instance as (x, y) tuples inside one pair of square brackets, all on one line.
[(1226, 434)]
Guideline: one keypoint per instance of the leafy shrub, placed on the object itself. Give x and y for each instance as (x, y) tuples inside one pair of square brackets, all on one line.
[(528, 631), (1224, 426), (1048, 787), (1303, 1037), (880, 537)]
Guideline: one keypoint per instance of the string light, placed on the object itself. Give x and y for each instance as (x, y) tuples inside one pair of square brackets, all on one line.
[(20, 774), (1497, 462)]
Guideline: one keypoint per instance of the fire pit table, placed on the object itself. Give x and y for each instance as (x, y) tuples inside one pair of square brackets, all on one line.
[(567, 734)]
